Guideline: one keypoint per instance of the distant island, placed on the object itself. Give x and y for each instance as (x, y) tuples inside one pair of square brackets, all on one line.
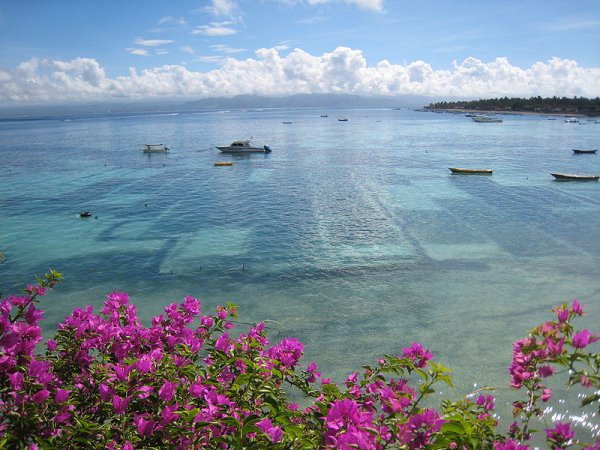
[(536, 105)]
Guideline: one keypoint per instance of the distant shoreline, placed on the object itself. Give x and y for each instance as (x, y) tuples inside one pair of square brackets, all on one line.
[(506, 113)]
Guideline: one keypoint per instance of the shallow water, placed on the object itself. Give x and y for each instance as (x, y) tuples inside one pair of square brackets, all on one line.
[(353, 236)]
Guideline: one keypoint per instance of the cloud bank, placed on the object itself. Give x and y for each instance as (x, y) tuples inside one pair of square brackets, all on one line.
[(344, 70)]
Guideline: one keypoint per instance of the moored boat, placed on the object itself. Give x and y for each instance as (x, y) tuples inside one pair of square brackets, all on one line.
[(572, 177), (155, 148), (580, 151), (243, 146), (343, 119), (458, 170), (486, 119), (223, 163)]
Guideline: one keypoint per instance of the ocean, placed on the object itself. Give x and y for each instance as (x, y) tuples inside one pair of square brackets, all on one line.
[(353, 237)]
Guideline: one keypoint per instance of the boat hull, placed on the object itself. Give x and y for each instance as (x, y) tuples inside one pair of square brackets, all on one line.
[(456, 170), (584, 152), (242, 150), (569, 177)]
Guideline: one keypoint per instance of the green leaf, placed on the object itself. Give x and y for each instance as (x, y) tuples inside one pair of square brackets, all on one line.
[(453, 427), (590, 399)]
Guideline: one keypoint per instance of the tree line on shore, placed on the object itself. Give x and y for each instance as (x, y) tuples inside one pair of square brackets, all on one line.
[(549, 105)]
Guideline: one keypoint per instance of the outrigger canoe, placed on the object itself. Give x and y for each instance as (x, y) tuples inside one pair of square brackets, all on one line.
[(569, 177), (471, 171)]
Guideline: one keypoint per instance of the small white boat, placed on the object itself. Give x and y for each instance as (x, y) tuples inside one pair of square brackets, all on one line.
[(571, 120), (243, 146), (486, 119), (155, 148)]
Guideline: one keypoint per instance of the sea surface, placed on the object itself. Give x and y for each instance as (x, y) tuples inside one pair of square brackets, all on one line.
[(351, 236)]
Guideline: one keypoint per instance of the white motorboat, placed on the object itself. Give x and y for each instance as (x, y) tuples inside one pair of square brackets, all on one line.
[(486, 119), (243, 146), (155, 148)]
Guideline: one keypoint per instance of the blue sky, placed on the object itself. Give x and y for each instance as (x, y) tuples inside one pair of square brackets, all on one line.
[(78, 50)]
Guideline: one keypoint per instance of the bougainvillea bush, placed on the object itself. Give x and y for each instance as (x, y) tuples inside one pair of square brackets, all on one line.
[(187, 381)]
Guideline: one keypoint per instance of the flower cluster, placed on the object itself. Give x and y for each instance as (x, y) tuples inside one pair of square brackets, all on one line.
[(189, 380)]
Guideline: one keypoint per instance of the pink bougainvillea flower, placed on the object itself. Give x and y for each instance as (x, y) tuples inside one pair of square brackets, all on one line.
[(16, 380), (561, 434), (487, 401), (583, 338), (562, 313), (144, 426), (274, 432), (40, 396), (120, 404), (546, 395), (417, 354), (61, 395), (509, 444), (288, 352), (167, 391), (545, 371), (577, 308)]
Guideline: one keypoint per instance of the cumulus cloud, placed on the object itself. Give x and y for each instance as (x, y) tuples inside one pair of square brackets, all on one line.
[(343, 70)]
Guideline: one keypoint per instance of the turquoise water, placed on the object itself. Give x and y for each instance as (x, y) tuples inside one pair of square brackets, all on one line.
[(353, 236)]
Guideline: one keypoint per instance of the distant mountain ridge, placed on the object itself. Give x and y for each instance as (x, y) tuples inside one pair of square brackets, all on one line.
[(309, 101), (237, 102)]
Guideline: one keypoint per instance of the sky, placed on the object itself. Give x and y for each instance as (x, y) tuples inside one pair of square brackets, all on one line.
[(76, 51)]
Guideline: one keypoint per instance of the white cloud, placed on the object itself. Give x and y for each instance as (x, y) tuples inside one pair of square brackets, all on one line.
[(170, 20), (187, 49), (138, 51), (344, 70), (372, 5), (211, 59), (152, 42), (226, 49), (572, 24), (215, 29), (222, 7)]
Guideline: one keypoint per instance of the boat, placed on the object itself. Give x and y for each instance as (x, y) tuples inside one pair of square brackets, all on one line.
[(470, 171), (570, 177), (343, 119), (571, 120), (486, 119), (85, 214), (324, 115), (286, 123), (579, 151), (155, 148), (243, 146), (223, 163)]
